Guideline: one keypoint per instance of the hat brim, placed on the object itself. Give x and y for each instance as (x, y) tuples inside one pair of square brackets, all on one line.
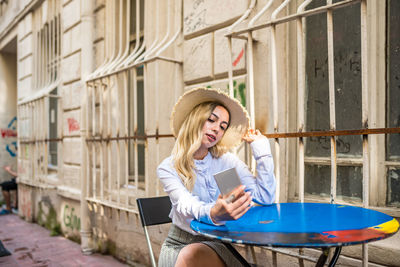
[(239, 118)]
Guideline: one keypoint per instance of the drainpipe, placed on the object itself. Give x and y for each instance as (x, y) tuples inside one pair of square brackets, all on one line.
[(87, 67)]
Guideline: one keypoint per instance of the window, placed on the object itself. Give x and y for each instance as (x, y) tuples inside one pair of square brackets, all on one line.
[(136, 128), (347, 73), (123, 136), (393, 96), (40, 111), (53, 129)]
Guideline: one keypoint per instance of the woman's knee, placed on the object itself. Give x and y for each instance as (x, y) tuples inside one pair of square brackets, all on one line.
[(197, 255)]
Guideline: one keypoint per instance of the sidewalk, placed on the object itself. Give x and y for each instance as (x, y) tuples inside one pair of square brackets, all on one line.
[(32, 245)]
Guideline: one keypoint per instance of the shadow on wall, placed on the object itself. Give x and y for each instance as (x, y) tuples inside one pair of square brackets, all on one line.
[(47, 216)]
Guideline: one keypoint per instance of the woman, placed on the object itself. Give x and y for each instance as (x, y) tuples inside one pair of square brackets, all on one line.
[(207, 123)]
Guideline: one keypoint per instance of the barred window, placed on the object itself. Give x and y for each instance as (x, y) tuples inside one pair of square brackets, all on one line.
[(393, 110), (39, 112), (123, 134), (347, 73)]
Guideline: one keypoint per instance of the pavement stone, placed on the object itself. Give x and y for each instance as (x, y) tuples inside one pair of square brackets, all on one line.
[(32, 246)]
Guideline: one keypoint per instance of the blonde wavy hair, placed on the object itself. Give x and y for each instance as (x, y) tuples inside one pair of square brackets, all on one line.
[(189, 141)]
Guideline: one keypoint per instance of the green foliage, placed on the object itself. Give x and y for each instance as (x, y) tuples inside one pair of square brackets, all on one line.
[(49, 220), (239, 92)]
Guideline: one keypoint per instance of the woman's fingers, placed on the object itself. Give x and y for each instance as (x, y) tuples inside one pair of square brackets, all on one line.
[(241, 205), (238, 207), (252, 135), (237, 216), (235, 194), (232, 207)]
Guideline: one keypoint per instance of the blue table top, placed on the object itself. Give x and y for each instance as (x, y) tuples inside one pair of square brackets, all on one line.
[(303, 225)]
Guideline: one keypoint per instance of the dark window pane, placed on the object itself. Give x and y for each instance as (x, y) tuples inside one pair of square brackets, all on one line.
[(393, 198), (393, 91), (133, 16), (53, 118), (317, 180), (140, 107), (348, 185), (137, 106), (347, 61)]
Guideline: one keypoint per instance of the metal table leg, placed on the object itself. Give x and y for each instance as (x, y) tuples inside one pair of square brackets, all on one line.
[(324, 256), (237, 255), (335, 256)]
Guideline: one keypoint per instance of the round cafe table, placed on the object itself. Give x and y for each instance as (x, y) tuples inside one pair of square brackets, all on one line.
[(303, 225)]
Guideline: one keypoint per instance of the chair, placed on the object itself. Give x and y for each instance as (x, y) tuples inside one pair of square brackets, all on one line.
[(153, 211)]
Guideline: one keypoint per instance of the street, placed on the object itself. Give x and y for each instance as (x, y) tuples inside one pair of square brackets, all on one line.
[(32, 245)]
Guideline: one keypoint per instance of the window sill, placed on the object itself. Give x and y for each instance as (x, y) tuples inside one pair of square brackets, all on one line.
[(37, 184), (69, 192)]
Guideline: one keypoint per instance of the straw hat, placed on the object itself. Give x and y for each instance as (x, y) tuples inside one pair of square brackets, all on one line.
[(239, 118)]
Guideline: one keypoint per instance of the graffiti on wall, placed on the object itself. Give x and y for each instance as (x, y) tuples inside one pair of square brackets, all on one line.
[(70, 219), (239, 91), (196, 19), (12, 149), (73, 125), (11, 132), (238, 58)]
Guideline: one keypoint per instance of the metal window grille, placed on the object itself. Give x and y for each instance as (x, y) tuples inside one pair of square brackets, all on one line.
[(39, 125), (118, 135), (303, 11)]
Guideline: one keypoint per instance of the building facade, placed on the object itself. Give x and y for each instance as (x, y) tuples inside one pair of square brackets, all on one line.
[(87, 88)]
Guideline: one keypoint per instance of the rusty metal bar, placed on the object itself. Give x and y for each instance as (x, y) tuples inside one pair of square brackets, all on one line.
[(126, 133), (274, 65), (135, 126), (332, 106), (94, 159), (146, 149), (87, 134), (157, 112), (101, 133), (108, 145), (118, 146), (43, 122), (301, 94), (46, 140), (392, 130), (365, 109)]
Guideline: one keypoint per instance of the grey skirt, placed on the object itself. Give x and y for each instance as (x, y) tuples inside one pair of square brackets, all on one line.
[(178, 238)]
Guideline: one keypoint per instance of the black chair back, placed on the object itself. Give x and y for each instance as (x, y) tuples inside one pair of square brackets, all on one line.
[(154, 210)]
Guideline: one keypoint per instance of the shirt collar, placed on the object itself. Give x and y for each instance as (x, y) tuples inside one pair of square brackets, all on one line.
[(203, 164)]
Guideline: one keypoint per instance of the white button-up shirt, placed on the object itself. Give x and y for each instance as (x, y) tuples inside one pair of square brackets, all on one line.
[(197, 204)]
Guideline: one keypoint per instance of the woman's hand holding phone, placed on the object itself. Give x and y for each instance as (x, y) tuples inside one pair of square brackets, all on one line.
[(231, 206)]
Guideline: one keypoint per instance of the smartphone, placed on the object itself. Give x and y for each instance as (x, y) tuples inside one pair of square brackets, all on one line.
[(227, 180)]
